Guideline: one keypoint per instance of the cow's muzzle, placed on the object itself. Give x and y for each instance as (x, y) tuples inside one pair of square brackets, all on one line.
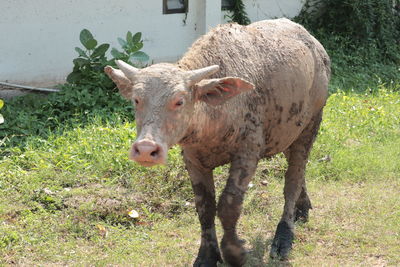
[(148, 153)]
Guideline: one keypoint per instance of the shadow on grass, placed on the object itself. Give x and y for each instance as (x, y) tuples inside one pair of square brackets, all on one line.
[(258, 256)]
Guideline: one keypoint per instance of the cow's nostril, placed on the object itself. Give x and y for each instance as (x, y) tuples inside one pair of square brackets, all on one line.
[(137, 150), (154, 153)]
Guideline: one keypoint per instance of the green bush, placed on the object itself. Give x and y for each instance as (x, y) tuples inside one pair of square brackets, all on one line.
[(362, 38), (91, 60), (238, 13), (370, 23)]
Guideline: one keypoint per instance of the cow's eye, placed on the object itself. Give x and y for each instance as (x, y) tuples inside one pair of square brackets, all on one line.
[(136, 101), (179, 103)]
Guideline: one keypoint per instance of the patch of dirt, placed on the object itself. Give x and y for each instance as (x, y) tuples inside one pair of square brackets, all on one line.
[(101, 200), (375, 260)]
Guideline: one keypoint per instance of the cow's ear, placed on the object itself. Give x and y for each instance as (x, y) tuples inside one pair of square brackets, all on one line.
[(217, 91), (123, 83)]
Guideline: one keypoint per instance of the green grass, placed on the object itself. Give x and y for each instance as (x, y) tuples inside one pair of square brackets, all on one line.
[(64, 199)]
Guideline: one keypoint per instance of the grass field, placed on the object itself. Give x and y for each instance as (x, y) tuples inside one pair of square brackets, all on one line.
[(64, 200)]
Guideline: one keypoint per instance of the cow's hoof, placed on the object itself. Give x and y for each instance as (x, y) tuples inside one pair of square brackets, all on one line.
[(282, 243), (201, 262), (208, 257), (233, 251)]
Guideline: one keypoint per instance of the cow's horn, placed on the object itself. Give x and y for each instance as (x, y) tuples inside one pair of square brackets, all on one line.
[(127, 69), (200, 74)]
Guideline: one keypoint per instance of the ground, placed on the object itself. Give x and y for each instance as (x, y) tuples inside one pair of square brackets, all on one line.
[(67, 199)]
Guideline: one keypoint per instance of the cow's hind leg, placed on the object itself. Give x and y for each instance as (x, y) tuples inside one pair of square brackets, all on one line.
[(297, 202), (230, 206), (203, 188), (303, 205)]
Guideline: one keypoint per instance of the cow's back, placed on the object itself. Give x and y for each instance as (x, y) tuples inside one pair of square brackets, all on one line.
[(285, 29), (283, 61)]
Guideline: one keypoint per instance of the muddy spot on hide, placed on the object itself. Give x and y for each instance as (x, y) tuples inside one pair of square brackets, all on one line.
[(293, 111), (228, 134)]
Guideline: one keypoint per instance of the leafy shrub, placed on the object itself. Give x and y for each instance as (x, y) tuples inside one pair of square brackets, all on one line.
[(90, 61), (238, 13), (89, 65), (361, 36), (131, 49), (373, 23)]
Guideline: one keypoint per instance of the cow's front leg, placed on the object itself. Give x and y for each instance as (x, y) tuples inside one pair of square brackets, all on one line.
[(230, 206), (203, 188)]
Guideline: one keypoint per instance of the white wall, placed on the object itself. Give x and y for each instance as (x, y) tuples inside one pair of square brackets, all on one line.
[(264, 9), (269, 9), (37, 38)]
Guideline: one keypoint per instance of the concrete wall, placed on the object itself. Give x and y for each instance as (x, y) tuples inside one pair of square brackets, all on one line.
[(37, 38)]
